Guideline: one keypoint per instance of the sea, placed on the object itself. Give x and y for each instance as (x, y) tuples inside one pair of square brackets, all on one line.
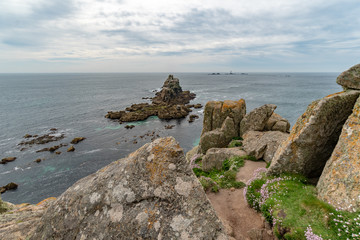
[(76, 103)]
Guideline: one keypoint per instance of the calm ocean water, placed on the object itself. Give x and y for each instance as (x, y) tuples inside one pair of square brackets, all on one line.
[(75, 104)]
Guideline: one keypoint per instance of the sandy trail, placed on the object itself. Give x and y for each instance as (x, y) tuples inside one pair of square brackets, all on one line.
[(232, 209)]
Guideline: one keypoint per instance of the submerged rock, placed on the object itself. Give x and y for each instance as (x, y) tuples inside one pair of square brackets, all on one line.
[(339, 183), (71, 149), (314, 136), (8, 159), (151, 194), (350, 79), (77, 140)]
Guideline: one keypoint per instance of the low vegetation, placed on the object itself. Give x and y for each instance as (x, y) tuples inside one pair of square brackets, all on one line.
[(223, 178), (290, 205)]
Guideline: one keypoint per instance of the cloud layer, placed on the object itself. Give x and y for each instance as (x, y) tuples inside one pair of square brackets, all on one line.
[(159, 35)]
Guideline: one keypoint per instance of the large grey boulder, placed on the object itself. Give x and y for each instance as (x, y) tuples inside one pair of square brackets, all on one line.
[(350, 79), (314, 136), (151, 194), (256, 119), (339, 183), (215, 157), (219, 137), (263, 145)]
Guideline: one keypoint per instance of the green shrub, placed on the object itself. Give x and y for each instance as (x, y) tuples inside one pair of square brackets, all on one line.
[(235, 143)]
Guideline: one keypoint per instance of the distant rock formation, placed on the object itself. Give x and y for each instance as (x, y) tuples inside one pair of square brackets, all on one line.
[(151, 194), (169, 103), (350, 79), (314, 136), (339, 183)]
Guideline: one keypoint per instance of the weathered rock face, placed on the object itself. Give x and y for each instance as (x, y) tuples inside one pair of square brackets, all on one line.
[(350, 79), (21, 220), (263, 145), (219, 137), (314, 136), (340, 180), (216, 112), (257, 118), (151, 194), (215, 157), (277, 123)]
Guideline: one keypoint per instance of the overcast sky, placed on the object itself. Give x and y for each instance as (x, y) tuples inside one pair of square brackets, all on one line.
[(179, 36)]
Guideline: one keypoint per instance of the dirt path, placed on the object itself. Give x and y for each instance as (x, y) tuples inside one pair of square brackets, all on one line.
[(232, 209)]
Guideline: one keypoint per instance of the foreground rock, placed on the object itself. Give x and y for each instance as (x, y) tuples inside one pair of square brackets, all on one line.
[(215, 157), (340, 180), (169, 103), (20, 221), (350, 79), (277, 123), (151, 194), (263, 145), (314, 136)]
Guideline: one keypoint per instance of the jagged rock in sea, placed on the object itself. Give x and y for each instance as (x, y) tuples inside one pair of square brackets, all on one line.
[(215, 157), (7, 159), (263, 145), (277, 123), (339, 183), (350, 79), (20, 221), (169, 103), (256, 119), (314, 136), (216, 112), (219, 137), (151, 194)]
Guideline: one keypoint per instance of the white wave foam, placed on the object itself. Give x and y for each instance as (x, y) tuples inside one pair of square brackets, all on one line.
[(91, 151), (3, 173)]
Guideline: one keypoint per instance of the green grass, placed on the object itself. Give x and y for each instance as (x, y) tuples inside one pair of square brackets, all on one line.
[(235, 143), (224, 178), (291, 205)]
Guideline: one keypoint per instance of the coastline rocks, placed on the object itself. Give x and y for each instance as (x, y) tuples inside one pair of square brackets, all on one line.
[(151, 194), (20, 221), (339, 183), (350, 79), (256, 119), (71, 149), (215, 157), (263, 145), (43, 139), (218, 138), (8, 159), (9, 186), (169, 103), (216, 112), (314, 136), (77, 140)]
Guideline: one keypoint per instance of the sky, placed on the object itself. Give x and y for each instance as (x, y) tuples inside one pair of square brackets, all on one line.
[(179, 36)]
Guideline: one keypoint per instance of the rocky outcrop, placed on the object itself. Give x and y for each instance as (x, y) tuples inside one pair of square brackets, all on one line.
[(277, 123), (219, 137), (340, 181), (256, 119), (9, 186), (20, 221), (77, 140), (263, 145), (350, 79), (8, 159), (314, 136), (215, 157), (169, 103), (216, 112), (151, 194)]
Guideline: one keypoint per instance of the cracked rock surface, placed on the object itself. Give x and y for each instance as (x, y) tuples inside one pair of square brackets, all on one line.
[(151, 194)]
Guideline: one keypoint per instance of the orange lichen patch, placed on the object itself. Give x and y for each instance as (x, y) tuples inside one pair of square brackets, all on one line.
[(160, 154), (228, 104), (46, 201), (152, 217), (334, 94), (302, 121), (294, 149)]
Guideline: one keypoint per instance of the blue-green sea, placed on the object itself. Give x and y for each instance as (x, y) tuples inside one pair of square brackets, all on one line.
[(76, 104)]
